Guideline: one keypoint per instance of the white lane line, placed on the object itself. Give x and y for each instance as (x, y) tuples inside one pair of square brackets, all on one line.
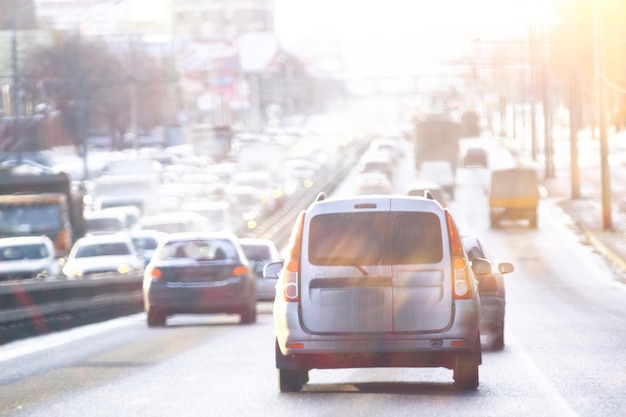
[(37, 344), (542, 383)]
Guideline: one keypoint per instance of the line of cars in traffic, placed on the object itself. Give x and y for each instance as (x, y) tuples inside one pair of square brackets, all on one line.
[(374, 280)]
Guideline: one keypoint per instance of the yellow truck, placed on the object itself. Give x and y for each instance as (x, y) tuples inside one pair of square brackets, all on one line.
[(514, 195), (40, 204)]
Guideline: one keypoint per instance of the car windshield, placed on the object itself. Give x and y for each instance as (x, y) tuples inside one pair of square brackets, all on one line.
[(32, 217), (473, 249), (146, 243), (375, 238), (23, 252), (103, 249), (256, 251), (111, 224)]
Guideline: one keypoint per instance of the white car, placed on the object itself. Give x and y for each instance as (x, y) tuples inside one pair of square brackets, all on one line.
[(101, 254), (27, 257)]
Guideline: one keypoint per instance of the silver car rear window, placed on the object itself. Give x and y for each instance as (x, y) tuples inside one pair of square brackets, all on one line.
[(375, 238)]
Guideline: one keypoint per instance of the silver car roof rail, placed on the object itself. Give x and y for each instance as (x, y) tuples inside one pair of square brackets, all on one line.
[(321, 196)]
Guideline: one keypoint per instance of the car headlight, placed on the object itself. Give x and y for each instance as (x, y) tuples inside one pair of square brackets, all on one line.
[(123, 269), (73, 273)]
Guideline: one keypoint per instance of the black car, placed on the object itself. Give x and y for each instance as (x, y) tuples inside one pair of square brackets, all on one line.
[(203, 273), (492, 292)]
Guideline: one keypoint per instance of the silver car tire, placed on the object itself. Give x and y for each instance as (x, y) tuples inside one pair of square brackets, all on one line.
[(290, 380)]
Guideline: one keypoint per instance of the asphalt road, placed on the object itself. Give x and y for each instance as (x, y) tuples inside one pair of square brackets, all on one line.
[(563, 356)]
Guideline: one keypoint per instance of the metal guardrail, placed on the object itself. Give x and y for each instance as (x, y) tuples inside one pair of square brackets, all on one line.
[(37, 300)]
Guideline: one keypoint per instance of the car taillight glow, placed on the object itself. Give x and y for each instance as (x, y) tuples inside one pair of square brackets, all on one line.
[(156, 274), (239, 270), (289, 277), (462, 287)]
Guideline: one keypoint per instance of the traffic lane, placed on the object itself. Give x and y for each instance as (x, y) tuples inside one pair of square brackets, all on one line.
[(564, 302), (51, 370), (233, 374), (211, 370), (567, 313)]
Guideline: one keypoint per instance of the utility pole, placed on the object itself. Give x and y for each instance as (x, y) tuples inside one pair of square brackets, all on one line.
[(605, 173), (533, 101), (14, 90), (574, 123), (547, 108)]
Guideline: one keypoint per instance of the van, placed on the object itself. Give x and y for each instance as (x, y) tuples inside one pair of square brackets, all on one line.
[(514, 195), (376, 281)]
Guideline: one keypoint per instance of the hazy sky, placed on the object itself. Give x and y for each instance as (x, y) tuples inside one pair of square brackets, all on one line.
[(399, 35)]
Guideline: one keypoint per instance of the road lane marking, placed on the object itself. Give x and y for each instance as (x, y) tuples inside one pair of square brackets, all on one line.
[(40, 343), (557, 400)]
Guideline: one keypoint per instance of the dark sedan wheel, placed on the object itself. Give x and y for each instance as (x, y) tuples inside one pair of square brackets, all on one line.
[(498, 339), (156, 318), (248, 316)]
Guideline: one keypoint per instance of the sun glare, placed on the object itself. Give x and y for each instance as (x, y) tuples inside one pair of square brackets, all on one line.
[(393, 36), (367, 19)]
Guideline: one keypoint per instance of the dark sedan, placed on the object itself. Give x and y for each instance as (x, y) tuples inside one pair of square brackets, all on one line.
[(199, 274), (492, 292)]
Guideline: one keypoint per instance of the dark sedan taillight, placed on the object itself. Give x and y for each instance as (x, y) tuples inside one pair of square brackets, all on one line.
[(240, 270), (156, 274)]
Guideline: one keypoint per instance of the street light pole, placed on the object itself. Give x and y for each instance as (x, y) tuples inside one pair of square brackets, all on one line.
[(604, 148), (574, 123), (533, 95), (547, 107), (14, 90)]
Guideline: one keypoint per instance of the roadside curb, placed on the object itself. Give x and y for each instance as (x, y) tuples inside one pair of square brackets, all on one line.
[(605, 250)]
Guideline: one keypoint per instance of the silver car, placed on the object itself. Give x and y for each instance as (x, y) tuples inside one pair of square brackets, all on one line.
[(376, 281)]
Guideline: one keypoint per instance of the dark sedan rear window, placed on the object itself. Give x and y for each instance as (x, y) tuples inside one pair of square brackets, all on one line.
[(202, 250), (375, 238)]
